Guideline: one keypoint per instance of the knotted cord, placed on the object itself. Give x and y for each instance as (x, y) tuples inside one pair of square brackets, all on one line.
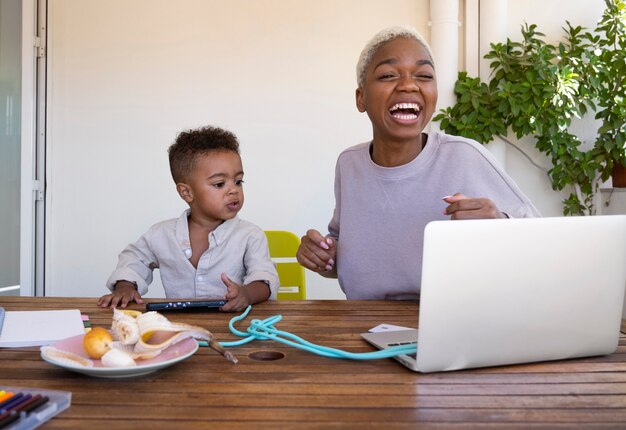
[(266, 330)]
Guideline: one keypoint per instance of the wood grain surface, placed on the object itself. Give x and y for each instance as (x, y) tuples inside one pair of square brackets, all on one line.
[(306, 391)]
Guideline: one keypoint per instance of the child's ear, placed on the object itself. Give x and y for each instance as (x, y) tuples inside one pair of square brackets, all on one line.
[(360, 103), (184, 191)]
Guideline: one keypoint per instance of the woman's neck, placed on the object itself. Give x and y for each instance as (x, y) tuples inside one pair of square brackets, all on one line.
[(388, 153)]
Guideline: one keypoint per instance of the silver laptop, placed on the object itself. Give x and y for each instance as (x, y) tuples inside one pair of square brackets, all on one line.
[(498, 292)]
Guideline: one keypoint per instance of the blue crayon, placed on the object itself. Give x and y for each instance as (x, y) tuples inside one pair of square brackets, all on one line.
[(34, 400), (15, 401), (10, 399)]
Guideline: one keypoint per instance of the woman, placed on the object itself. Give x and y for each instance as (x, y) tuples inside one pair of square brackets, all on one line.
[(388, 189)]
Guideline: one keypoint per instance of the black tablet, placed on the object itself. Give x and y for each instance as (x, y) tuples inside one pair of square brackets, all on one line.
[(206, 305)]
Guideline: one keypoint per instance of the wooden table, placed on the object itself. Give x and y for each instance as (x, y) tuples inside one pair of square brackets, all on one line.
[(305, 391)]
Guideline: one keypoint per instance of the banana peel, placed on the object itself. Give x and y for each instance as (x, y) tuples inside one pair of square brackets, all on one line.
[(151, 333)]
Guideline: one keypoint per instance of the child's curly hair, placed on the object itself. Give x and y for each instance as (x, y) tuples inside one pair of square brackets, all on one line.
[(191, 144)]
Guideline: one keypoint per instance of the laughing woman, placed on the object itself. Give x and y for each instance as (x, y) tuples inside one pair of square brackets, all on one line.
[(388, 189)]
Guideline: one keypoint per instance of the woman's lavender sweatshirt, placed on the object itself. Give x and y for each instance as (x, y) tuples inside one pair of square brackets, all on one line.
[(380, 212)]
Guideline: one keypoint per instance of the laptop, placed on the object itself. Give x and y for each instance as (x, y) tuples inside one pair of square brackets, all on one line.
[(498, 292)]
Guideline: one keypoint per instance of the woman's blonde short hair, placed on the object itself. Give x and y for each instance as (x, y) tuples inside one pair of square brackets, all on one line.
[(382, 37)]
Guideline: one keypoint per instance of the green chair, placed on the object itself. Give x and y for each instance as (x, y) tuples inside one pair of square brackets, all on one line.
[(283, 246)]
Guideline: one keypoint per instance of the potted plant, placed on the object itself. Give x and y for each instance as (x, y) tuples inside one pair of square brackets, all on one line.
[(537, 88)]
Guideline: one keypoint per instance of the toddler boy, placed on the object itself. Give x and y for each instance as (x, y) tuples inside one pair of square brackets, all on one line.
[(208, 252)]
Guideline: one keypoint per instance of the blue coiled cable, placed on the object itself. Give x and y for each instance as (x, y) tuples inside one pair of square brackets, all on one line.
[(265, 330)]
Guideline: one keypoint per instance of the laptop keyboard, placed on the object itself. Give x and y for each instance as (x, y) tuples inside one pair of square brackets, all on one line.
[(414, 355)]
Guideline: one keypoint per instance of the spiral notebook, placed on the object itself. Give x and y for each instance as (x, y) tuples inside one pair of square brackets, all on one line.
[(37, 328)]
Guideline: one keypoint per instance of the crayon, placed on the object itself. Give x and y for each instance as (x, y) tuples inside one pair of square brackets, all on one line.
[(7, 399), (25, 406), (22, 406), (13, 401), (8, 419), (34, 405)]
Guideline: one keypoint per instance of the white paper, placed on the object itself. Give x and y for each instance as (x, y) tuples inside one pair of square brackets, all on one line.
[(36, 328), (388, 327)]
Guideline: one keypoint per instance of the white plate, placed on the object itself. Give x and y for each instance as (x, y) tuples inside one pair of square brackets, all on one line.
[(173, 354)]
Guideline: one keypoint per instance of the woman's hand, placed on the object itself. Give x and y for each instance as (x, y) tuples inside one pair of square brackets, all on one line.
[(318, 253), (462, 207)]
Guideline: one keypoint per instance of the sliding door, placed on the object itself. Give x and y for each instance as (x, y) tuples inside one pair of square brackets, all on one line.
[(10, 115)]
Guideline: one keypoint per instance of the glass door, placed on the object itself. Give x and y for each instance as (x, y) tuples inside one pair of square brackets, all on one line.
[(10, 146)]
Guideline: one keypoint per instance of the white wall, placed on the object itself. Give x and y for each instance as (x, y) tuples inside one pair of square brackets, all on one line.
[(126, 76)]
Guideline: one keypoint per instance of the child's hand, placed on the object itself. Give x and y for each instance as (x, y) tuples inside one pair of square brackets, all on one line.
[(237, 296), (124, 293)]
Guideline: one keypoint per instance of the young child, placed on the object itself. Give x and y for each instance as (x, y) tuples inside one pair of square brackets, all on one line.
[(207, 252), (389, 188)]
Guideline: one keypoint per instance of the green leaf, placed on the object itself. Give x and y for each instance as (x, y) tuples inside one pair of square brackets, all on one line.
[(536, 88)]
